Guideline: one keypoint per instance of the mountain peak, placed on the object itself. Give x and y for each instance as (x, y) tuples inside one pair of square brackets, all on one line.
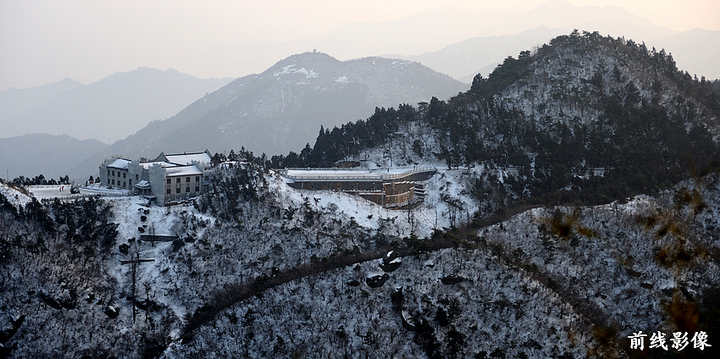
[(307, 58), (281, 109)]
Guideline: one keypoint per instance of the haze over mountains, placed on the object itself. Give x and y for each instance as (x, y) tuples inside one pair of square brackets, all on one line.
[(436, 29), (108, 110), (40, 153), (694, 50), (261, 269), (282, 108), (16, 104), (124, 103)]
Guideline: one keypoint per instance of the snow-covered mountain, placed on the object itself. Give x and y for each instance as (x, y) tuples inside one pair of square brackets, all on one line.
[(260, 269), (282, 108), (434, 29), (575, 205), (693, 50), (584, 117)]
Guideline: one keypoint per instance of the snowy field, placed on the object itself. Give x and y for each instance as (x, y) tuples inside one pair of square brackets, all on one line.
[(63, 191), (15, 197), (50, 191), (103, 191)]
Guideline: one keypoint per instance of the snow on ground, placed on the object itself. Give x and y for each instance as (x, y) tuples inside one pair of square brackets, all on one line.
[(446, 203), (14, 196), (612, 250), (128, 214), (182, 279), (49, 191), (96, 189), (366, 213), (495, 306), (63, 191), (291, 69)]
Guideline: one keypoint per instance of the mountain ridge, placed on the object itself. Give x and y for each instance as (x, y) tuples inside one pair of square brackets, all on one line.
[(283, 107), (52, 156), (692, 50), (112, 108), (553, 115), (504, 257)]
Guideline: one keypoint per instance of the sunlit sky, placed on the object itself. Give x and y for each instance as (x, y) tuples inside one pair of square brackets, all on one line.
[(43, 41)]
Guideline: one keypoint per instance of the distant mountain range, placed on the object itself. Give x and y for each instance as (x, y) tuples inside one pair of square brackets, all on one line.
[(585, 117), (695, 51), (435, 29), (16, 104), (489, 262), (282, 108), (108, 110), (467, 58), (52, 156)]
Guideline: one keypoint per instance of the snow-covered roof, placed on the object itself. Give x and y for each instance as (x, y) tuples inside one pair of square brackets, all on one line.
[(147, 165), (346, 174), (120, 163), (182, 171), (143, 184), (189, 158)]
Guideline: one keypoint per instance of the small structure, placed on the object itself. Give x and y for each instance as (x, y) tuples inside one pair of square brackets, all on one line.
[(389, 187), (134, 262)]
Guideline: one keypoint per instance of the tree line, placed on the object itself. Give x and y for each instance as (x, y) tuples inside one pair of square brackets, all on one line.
[(639, 143)]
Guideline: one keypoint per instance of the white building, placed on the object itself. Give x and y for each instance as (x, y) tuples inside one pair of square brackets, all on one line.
[(167, 178), (115, 174)]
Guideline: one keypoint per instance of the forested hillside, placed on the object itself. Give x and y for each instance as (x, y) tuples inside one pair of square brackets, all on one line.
[(576, 203), (583, 119)]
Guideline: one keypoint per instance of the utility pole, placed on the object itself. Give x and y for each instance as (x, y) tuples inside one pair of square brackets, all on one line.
[(134, 263)]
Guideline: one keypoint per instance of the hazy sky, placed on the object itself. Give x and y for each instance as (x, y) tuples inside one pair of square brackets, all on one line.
[(43, 41)]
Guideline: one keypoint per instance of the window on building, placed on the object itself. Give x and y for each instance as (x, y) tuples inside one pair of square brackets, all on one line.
[(187, 189), (168, 181), (168, 191), (197, 178), (108, 173), (187, 179), (136, 177), (177, 180), (177, 190), (197, 189), (113, 172), (130, 182), (124, 174), (113, 181)]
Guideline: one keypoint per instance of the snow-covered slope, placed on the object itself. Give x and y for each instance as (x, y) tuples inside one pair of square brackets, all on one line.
[(547, 282), (487, 265)]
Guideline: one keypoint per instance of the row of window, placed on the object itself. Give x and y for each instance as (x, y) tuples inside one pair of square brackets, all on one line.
[(124, 174), (187, 179), (177, 190), (112, 181)]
